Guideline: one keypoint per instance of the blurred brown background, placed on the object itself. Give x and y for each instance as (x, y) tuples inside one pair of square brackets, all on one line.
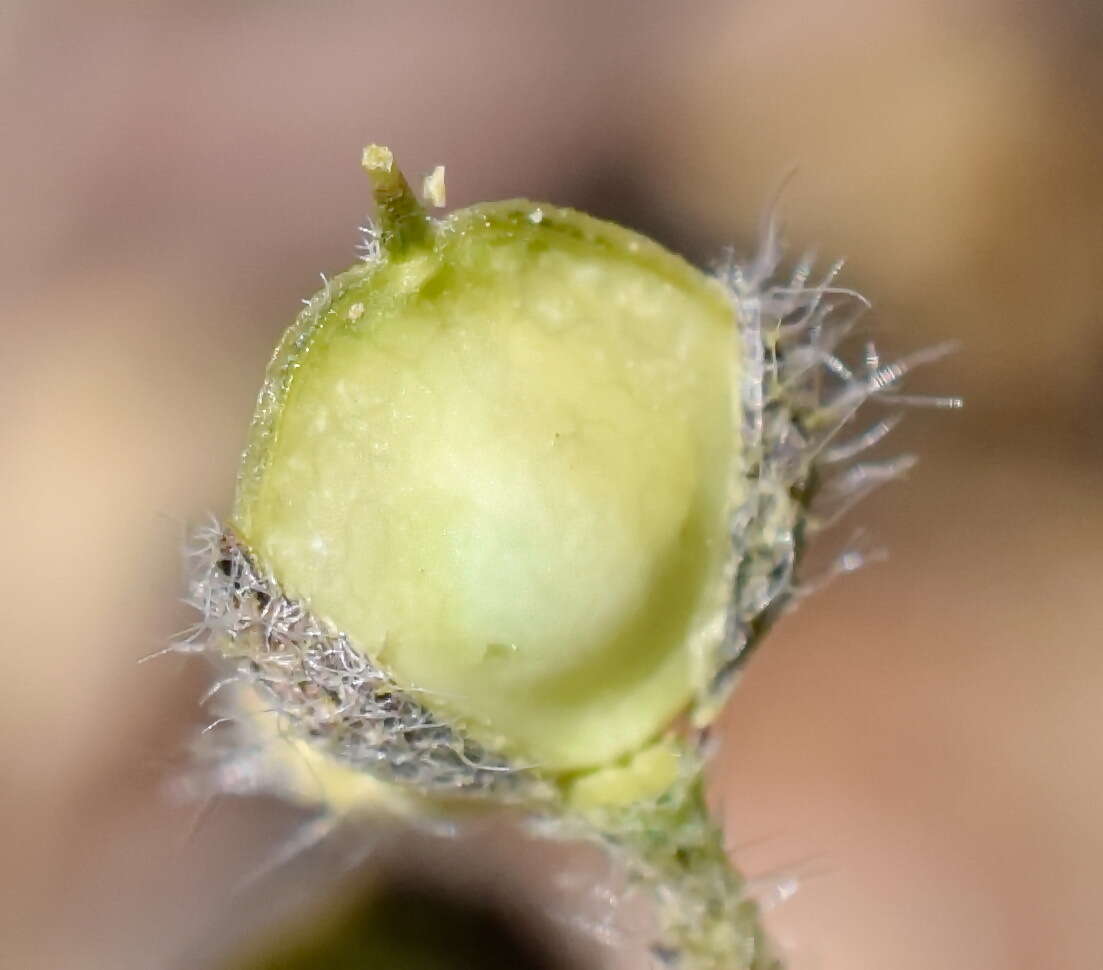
[(921, 743)]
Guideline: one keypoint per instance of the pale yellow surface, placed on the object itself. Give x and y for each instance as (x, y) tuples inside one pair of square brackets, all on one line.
[(507, 480), (645, 777)]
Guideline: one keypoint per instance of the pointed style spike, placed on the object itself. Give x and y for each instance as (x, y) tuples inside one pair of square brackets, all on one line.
[(404, 224)]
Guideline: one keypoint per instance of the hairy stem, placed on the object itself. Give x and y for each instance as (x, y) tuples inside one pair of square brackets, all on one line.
[(671, 846)]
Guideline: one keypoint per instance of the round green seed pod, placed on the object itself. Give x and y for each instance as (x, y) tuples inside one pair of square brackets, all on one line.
[(521, 488), (500, 458)]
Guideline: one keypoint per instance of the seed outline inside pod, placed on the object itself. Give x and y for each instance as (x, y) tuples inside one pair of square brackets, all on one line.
[(660, 455)]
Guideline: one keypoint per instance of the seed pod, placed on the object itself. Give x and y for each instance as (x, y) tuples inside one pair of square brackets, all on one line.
[(521, 488)]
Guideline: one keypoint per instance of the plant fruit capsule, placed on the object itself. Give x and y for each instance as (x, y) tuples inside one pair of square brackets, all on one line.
[(500, 458), (521, 488)]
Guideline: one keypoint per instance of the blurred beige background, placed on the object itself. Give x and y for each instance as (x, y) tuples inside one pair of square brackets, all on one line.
[(921, 743)]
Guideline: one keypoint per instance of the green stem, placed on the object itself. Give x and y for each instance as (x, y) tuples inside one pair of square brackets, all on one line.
[(403, 221), (672, 845)]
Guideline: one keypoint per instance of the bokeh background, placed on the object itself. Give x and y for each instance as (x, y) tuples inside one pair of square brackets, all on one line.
[(920, 744)]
